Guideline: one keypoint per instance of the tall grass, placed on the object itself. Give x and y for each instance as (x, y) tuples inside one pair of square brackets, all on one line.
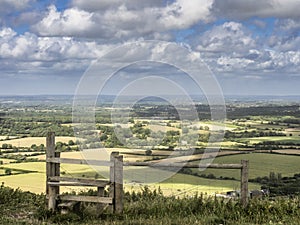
[(151, 207)]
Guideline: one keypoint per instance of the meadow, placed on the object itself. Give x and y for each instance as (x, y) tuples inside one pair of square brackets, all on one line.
[(260, 164)]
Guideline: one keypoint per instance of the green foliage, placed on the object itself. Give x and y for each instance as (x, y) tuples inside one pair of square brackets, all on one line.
[(278, 185), (140, 131), (19, 207), (14, 127), (6, 146)]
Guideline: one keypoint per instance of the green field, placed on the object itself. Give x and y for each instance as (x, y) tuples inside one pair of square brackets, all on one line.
[(261, 164)]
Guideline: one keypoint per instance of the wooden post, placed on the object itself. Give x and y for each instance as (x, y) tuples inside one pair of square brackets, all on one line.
[(100, 193), (244, 182), (112, 177), (118, 206), (51, 170), (57, 170)]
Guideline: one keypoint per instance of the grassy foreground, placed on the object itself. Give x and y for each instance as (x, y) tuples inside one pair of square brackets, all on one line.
[(150, 207)]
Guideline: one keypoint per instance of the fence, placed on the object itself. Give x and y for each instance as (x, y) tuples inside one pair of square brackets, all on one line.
[(244, 167), (54, 180)]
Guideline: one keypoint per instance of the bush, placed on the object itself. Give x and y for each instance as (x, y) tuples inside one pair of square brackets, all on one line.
[(8, 171)]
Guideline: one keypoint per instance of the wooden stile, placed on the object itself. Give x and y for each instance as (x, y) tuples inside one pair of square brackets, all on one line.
[(54, 180), (115, 182)]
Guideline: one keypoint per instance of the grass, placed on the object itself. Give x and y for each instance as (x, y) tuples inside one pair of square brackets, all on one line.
[(33, 182), (261, 164), (150, 207)]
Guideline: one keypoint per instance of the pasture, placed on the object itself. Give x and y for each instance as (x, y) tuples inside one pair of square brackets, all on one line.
[(261, 164)]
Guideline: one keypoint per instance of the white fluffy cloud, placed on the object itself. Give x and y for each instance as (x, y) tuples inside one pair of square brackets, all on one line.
[(183, 14), (29, 52), (232, 49), (229, 37), (70, 22), (123, 21)]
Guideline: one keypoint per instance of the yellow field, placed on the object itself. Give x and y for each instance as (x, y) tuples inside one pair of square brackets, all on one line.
[(157, 128), (35, 182), (28, 141), (134, 178)]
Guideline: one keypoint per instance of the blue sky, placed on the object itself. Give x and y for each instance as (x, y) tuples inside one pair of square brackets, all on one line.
[(252, 47)]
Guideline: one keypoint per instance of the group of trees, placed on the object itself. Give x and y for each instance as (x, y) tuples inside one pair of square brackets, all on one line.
[(63, 147), (71, 145), (279, 185), (251, 134), (139, 130), (10, 127), (272, 145)]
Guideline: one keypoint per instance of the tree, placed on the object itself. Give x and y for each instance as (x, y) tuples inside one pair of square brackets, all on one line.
[(42, 147), (71, 142), (8, 171), (34, 147), (148, 152), (103, 137)]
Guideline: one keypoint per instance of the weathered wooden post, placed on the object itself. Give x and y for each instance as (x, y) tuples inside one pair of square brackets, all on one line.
[(57, 170), (244, 182), (112, 177), (118, 202), (51, 170)]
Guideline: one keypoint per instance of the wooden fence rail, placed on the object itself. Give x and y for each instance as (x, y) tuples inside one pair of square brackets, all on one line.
[(244, 167)]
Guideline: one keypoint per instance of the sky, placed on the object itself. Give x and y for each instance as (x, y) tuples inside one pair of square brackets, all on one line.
[(251, 47)]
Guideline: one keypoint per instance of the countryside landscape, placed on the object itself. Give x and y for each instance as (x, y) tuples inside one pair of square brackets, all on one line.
[(159, 112), (269, 141)]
